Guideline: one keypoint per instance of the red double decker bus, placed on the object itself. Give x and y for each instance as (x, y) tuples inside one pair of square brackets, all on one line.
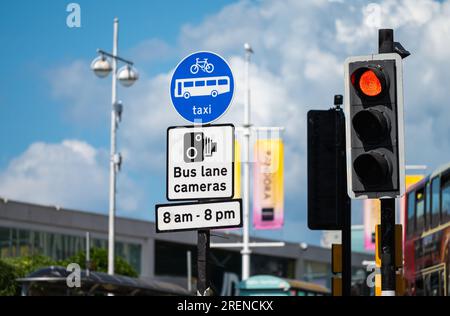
[(427, 235)]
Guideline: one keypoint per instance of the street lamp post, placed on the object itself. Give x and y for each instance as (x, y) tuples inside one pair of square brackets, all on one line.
[(246, 166), (127, 75), (247, 130)]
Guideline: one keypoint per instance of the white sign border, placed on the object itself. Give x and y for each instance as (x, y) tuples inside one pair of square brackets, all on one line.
[(198, 203), (232, 163)]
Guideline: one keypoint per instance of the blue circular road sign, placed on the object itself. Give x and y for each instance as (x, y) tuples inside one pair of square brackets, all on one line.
[(202, 87)]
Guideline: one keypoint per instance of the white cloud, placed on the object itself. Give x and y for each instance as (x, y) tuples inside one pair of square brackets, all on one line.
[(68, 174)]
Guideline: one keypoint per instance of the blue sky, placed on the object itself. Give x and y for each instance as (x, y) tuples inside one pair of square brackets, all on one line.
[(39, 40), (54, 125)]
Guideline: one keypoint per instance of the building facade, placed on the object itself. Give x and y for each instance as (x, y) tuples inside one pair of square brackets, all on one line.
[(27, 229)]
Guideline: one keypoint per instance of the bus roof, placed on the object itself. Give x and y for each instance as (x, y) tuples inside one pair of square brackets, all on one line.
[(435, 173), (202, 78), (263, 282), (308, 286), (440, 169)]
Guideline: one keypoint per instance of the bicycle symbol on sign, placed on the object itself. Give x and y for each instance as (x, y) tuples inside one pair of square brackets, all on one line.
[(203, 65)]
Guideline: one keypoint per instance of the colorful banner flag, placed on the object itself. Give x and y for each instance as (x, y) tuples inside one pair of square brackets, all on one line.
[(268, 192), (371, 219)]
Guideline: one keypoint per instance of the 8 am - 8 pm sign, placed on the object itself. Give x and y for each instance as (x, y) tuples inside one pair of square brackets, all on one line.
[(192, 216), (200, 162)]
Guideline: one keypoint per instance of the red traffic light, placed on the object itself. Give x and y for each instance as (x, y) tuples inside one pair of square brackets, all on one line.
[(370, 84), (369, 81)]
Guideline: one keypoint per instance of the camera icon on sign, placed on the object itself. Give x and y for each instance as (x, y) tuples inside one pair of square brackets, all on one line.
[(197, 147)]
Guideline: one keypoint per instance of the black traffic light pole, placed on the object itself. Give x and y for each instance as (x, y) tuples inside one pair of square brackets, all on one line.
[(343, 204), (387, 247)]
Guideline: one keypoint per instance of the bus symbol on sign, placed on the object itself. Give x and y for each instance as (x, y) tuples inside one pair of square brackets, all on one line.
[(202, 87), (213, 86)]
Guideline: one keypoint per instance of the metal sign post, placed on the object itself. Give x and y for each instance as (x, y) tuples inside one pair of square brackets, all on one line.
[(202, 262), (343, 204)]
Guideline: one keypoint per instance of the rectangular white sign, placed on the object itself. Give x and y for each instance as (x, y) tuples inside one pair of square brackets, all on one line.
[(200, 162), (195, 216)]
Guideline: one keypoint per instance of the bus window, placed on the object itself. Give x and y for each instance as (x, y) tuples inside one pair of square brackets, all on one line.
[(211, 82), (436, 284), (223, 82), (428, 206), (200, 83), (445, 193), (420, 210), (419, 286), (435, 201), (188, 84), (410, 224)]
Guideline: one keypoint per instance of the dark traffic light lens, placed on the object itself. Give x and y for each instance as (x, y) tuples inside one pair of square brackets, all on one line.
[(369, 81), (371, 126), (372, 168)]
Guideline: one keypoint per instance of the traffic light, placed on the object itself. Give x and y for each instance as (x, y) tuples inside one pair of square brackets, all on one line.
[(327, 194), (374, 126)]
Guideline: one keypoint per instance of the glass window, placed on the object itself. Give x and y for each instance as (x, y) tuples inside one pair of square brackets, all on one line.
[(20, 242), (420, 209), (5, 242), (435, 201), (435, 288), (171, 259), (446, 197), (410, 224), (188, 84), (318, 272), (211, 82), (223, 82), (262, 264), (200, 83)]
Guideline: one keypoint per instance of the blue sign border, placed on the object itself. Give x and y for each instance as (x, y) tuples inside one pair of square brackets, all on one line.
[(202, 122)]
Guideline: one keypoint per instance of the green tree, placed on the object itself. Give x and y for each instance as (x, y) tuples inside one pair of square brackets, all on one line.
[(99, 262), (19, 267)]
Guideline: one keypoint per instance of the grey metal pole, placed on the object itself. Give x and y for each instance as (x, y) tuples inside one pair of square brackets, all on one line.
[(343, 203), (88, 253), (189, 271), (246, 166), (112, 164)]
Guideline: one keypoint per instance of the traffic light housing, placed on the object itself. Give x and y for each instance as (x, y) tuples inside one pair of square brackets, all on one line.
[(374, 126), (327, 194)]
